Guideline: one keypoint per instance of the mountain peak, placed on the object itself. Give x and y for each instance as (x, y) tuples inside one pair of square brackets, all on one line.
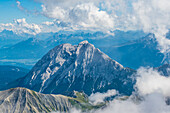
[(18, 89), (69, 67), (84, 42)]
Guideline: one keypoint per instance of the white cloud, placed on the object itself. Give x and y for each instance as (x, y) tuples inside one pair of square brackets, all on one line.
[(105, 15), (153, 87), (153, 103), (20, 26), (56, 12), (99, 97), (150, 81), (23, 8), (19, 5), (55, 26), (81, 16)]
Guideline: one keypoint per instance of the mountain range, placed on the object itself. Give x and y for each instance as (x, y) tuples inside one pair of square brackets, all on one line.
[(9, 38), (79, 67), (142, 52), (131, 49), (32, 49), (28, 49)]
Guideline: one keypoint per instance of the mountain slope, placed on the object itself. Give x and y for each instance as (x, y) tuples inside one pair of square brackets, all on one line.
[(164, 69), (22, 100), (10, 73), (81, 67)]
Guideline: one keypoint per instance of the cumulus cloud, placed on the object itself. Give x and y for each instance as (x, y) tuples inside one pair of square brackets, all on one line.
[(20, 26), (105, 15), (81, 16), (150, 81)]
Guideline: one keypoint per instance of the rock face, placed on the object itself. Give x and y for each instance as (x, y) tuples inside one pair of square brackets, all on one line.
[(21, 100), (81, 67)]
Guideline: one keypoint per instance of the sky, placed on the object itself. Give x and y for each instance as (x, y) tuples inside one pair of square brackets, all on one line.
[(39, 16), (9, 11), (103, 15)]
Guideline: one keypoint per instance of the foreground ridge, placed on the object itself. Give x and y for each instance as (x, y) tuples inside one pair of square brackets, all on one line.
[(22, 100)]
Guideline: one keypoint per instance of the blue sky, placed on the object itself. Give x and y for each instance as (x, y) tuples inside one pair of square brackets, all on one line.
[(9, 11)]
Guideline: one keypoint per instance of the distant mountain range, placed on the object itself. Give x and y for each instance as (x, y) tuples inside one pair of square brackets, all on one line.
[(8, 38), (10, 73), (34, 48), (81, 67), (132, 49), (137, 53), (28, 49)]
